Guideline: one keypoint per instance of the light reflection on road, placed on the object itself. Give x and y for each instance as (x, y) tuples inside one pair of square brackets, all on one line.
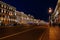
[(54, 33)]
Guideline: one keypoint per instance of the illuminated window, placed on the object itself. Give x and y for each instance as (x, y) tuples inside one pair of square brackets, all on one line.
[(7, 7), (10, 8), (10, 13), (1, 5), (1, 18), (8, 16), (4, 11), (4, 6)]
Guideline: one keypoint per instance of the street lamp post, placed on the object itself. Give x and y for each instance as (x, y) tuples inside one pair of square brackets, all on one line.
[(50, 13)]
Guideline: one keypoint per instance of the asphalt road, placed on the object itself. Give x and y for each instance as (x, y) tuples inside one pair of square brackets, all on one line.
[(25, 34), (37, 33), (54, 33)]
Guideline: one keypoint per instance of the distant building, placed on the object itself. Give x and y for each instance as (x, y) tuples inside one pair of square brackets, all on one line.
[(22, 17)]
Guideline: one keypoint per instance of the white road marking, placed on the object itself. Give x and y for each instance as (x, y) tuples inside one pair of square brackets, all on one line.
[(42, 36)]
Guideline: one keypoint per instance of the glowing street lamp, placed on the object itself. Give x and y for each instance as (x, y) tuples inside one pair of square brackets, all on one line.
[(50, 10)]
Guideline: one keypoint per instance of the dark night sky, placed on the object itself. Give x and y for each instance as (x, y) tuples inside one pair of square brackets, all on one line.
[(37, 8)]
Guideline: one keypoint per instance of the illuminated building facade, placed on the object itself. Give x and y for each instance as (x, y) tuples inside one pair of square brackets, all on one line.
[(7, 12), (25, 19), (9, 15), (55, 17), (22, 17)]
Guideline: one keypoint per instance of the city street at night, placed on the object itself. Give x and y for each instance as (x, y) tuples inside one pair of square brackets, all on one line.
[(29, 19)]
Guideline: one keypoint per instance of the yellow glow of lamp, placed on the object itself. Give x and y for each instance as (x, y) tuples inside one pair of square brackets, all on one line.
[(50, 10)]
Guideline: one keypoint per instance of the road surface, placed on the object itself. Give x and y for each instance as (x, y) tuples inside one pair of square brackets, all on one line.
[(35, 33), (26, 34), (54, 33)]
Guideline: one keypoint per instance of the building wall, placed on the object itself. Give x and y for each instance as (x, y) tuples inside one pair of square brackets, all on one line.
[(7, 12), (55, 17), (22, 17)]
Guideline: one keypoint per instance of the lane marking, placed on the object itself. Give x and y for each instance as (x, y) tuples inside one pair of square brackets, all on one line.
[(16, 34), (42, 35)]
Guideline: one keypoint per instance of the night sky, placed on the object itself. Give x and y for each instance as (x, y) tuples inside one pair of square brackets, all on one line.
[(37, 8)]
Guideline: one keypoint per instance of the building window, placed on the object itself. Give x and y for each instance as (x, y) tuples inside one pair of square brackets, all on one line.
[(10, 8), (3, 16), (4, 11), (2, 5), (7, 11), (0, 10), (0, 15), (10, 13), (7, 7)]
